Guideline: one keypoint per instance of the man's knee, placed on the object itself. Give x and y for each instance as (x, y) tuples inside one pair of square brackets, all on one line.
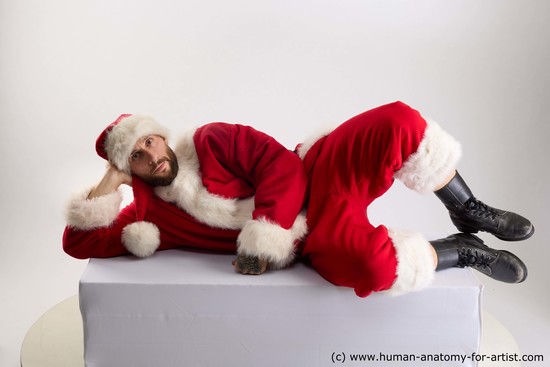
[(377, 273), (400, 116), (366, 263)]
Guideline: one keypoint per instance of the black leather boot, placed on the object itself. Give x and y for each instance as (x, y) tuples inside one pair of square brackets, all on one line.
[(470, 215), (463, 249)]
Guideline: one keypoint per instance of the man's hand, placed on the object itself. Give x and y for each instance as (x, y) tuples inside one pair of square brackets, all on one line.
[(110, 182), (249, 265)]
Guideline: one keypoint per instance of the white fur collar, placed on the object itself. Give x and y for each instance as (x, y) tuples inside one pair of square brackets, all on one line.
[(188, 192)]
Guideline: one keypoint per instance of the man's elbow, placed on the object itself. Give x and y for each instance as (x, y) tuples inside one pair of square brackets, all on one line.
[(73, 247)]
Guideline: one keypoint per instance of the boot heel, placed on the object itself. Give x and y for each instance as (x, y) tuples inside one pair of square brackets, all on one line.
[(463, 227)]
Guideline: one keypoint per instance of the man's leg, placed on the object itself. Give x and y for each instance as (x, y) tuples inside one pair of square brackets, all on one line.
[(432, 168), (357, 163)]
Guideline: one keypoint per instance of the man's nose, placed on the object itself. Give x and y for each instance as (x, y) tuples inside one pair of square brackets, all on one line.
[(152, 157)]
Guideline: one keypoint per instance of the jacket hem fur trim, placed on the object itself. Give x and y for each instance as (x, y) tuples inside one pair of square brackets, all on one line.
[(271, 242)]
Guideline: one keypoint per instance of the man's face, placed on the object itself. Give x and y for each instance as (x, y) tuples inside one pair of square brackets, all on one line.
[(153, 161)]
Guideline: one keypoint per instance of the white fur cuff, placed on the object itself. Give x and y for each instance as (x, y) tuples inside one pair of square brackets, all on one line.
[(433, 162), (141, 238), (269, 241), (98, 212), (415, 262)]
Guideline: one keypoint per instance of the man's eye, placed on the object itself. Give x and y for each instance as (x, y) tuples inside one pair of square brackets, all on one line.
[(149, 141), (135, 156)]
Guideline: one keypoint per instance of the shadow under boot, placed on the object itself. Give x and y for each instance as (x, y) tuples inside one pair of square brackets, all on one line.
[(466, 250)]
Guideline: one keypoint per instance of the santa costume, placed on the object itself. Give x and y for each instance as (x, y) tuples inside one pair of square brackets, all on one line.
[(235, 186), (238, 189), (352, 166)]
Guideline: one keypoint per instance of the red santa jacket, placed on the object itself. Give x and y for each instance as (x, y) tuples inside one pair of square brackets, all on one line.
[(236, 189)]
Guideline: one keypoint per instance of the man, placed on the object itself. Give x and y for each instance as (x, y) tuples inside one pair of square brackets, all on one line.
[(231, 188)]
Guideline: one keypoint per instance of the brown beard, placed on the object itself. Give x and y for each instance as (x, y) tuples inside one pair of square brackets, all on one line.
[(164, 180)]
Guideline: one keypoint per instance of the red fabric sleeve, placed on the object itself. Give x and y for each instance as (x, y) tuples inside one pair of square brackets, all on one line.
[(99, 242), (237, 158)]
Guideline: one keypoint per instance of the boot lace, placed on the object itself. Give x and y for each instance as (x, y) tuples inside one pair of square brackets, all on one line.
[(480, 209), (473, 258)]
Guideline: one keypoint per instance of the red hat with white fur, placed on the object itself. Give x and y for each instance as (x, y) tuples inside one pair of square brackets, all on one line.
[(117, 141)]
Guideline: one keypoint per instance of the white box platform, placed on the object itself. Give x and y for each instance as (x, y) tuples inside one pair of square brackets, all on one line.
[(181, 308)]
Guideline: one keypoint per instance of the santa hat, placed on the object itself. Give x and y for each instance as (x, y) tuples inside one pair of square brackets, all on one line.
[(117, 141)]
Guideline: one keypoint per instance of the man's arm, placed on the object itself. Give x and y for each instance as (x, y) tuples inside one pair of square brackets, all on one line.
[(94, 219), (279, 181), (110, 182)]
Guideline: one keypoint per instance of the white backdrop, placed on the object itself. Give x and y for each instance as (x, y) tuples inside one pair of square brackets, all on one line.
[(287, 67)]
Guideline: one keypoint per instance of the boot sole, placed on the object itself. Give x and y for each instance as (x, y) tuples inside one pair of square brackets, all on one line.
[(468, 229), (528, 235)]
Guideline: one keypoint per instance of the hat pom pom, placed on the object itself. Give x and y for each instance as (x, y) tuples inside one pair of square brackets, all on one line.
[(141, 238)]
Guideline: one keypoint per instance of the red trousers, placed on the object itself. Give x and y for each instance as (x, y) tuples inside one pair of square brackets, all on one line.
[(348, 169)]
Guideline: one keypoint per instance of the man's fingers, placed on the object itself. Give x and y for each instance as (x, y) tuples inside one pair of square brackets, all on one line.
[(250, 265)]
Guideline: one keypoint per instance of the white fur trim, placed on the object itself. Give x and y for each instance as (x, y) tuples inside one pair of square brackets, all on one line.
[(122, 138), (269, 241), (141, 238), (304, 148), (98, 212), (299, 228), (188, 193), (258, 237), (433, 162), (415, 262)]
